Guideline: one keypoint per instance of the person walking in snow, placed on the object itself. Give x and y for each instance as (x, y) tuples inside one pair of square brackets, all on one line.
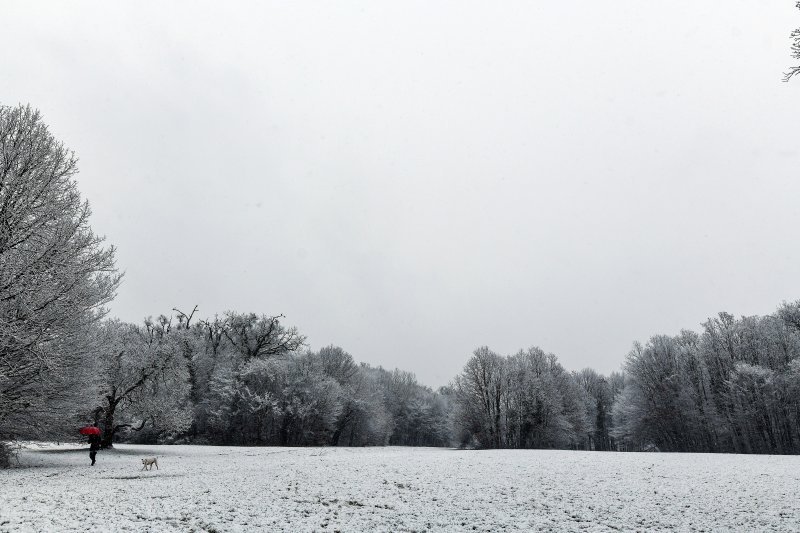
[(94, 445)]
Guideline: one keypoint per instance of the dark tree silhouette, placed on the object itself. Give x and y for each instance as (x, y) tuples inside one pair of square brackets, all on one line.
[(795, 52)]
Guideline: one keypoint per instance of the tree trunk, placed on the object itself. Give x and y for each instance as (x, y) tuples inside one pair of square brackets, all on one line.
[(107, 440)]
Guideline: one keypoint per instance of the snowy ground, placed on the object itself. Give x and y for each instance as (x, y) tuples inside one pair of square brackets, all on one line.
[(199, 488)]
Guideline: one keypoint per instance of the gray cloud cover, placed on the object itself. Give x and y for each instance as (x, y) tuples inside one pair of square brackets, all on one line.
[(411, 180)]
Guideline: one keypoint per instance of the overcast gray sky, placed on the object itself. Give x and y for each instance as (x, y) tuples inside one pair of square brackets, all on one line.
[(411, 180)]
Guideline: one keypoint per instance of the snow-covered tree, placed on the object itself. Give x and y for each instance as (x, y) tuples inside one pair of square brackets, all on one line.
[(794, 71), (239, 365), (730, 389), (262, 336), (55, 277), (143, 379), (418, 415), (601, 397), (354, 395), (527, 400), (480, 398)]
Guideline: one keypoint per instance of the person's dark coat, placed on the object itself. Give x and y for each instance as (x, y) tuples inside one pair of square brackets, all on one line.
[(94, 445)]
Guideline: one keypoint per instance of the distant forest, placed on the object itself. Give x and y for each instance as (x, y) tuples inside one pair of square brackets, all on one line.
[(249, 379)]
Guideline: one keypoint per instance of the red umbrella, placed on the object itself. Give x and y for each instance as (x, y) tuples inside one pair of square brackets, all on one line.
[(89, 430)]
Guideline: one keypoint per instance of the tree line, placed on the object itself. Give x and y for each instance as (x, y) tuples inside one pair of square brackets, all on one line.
[(734, 387), (248, 378)]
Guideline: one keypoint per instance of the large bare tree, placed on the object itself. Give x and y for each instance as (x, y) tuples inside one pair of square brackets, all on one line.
[(55, 277)]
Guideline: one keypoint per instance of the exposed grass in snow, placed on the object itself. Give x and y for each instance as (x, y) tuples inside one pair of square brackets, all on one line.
[(202, 488)]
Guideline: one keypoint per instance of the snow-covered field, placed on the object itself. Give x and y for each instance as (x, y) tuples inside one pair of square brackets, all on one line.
[(203, 488)]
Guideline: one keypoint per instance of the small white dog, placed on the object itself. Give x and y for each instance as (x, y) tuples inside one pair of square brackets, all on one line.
[(148, 463)]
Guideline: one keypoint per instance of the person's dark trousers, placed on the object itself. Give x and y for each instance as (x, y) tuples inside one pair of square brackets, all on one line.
[(92, 455)]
